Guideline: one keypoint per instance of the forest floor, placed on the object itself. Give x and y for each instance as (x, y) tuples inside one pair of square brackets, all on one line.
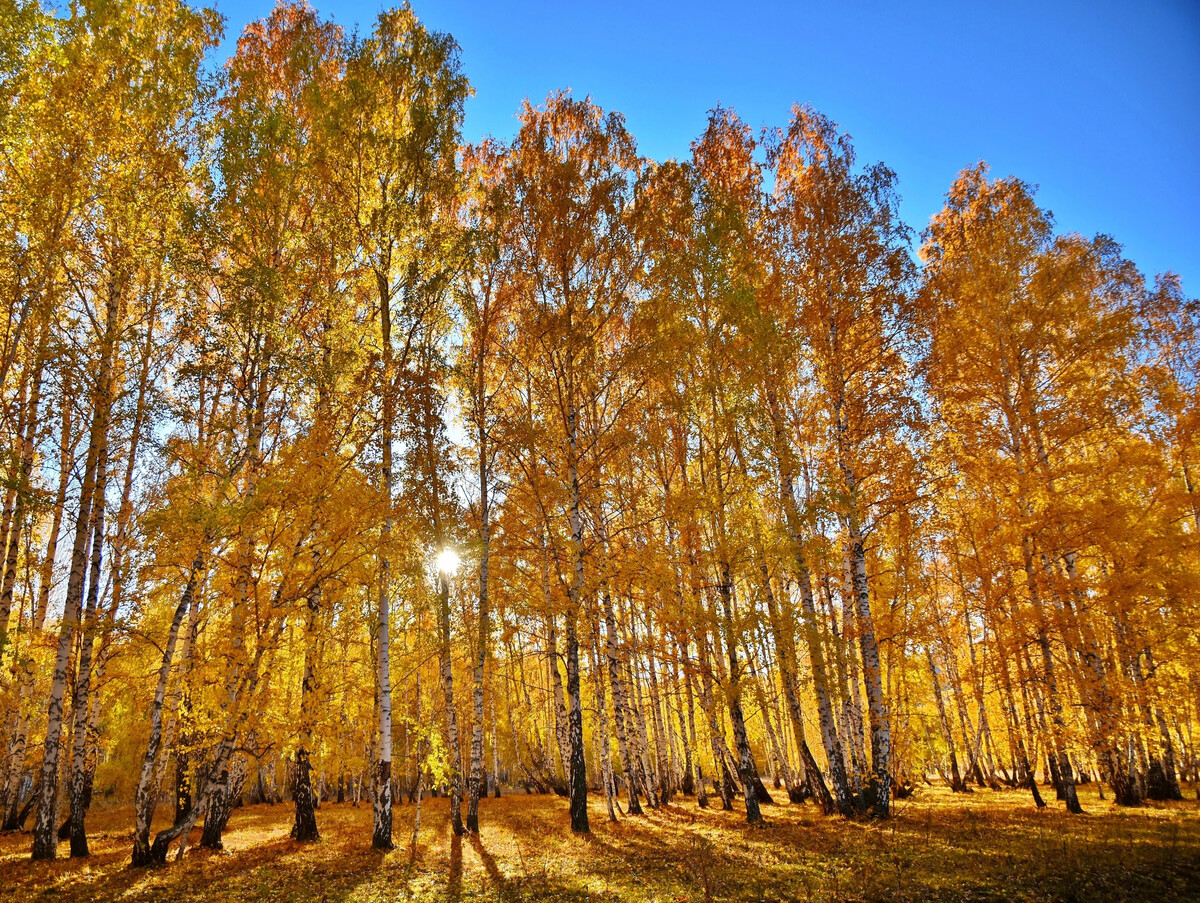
[(939, 847)]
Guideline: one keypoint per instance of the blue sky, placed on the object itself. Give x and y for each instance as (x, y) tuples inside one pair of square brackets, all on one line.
[(1097, 103)]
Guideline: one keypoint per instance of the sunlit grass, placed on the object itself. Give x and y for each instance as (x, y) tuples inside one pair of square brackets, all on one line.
[(984, 846)]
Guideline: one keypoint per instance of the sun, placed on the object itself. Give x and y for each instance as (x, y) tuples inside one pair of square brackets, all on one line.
[(448, 562)]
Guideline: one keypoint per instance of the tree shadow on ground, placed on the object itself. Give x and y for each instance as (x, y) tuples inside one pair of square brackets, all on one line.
[(936, 849)]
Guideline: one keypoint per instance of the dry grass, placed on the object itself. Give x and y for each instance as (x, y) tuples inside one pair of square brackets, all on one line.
[(988, 846)]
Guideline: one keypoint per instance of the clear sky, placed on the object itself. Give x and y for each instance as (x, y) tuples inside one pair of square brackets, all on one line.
[(1096, 102)]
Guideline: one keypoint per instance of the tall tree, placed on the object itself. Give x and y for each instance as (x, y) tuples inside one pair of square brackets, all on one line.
[(847, 275), (398, 124), (570, 172)]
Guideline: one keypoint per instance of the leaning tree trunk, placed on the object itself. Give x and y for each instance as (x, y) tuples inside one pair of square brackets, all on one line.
[(45, 838), (980, 705), (1158, 784), (221, 780), (722, 780), (1024, 765), (845, 658), (779, 751), (973, 769), (222, 798), (185, 732), (146, 796), (10, 522), (118, 562), (808, 613), (226, 774), (1168, 788), (785, 643), (1060, 767)]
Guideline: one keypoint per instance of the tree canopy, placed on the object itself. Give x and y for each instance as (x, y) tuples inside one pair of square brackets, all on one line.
[(345, 459)]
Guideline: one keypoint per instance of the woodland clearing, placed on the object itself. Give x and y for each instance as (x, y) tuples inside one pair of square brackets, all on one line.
[(937, 847), (343, 456)]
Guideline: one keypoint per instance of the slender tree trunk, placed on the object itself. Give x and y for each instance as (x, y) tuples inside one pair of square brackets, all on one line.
[(495, 747), (44, 836), (578, 772), (1163, 776), (956, 782), (846, 670), (561, 718), (720, 753), (808, 613), (603, 747), (881, 737), (226, 771), (746, 766), (305, 826), (451, 713), (83, 675), (19, 739), (638, 733), (146, 796), (785, 644), (688, 783), (772, 737), (577, 776), (660, 746), (1023, 764), (701, 790), (977, 692), (674, 740), (971, 748), (422, 750), (10, 539), (27, 433), (476, 781), (118, 565), (1063, 763), (184, 735), (381, 800), (620, 708)]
